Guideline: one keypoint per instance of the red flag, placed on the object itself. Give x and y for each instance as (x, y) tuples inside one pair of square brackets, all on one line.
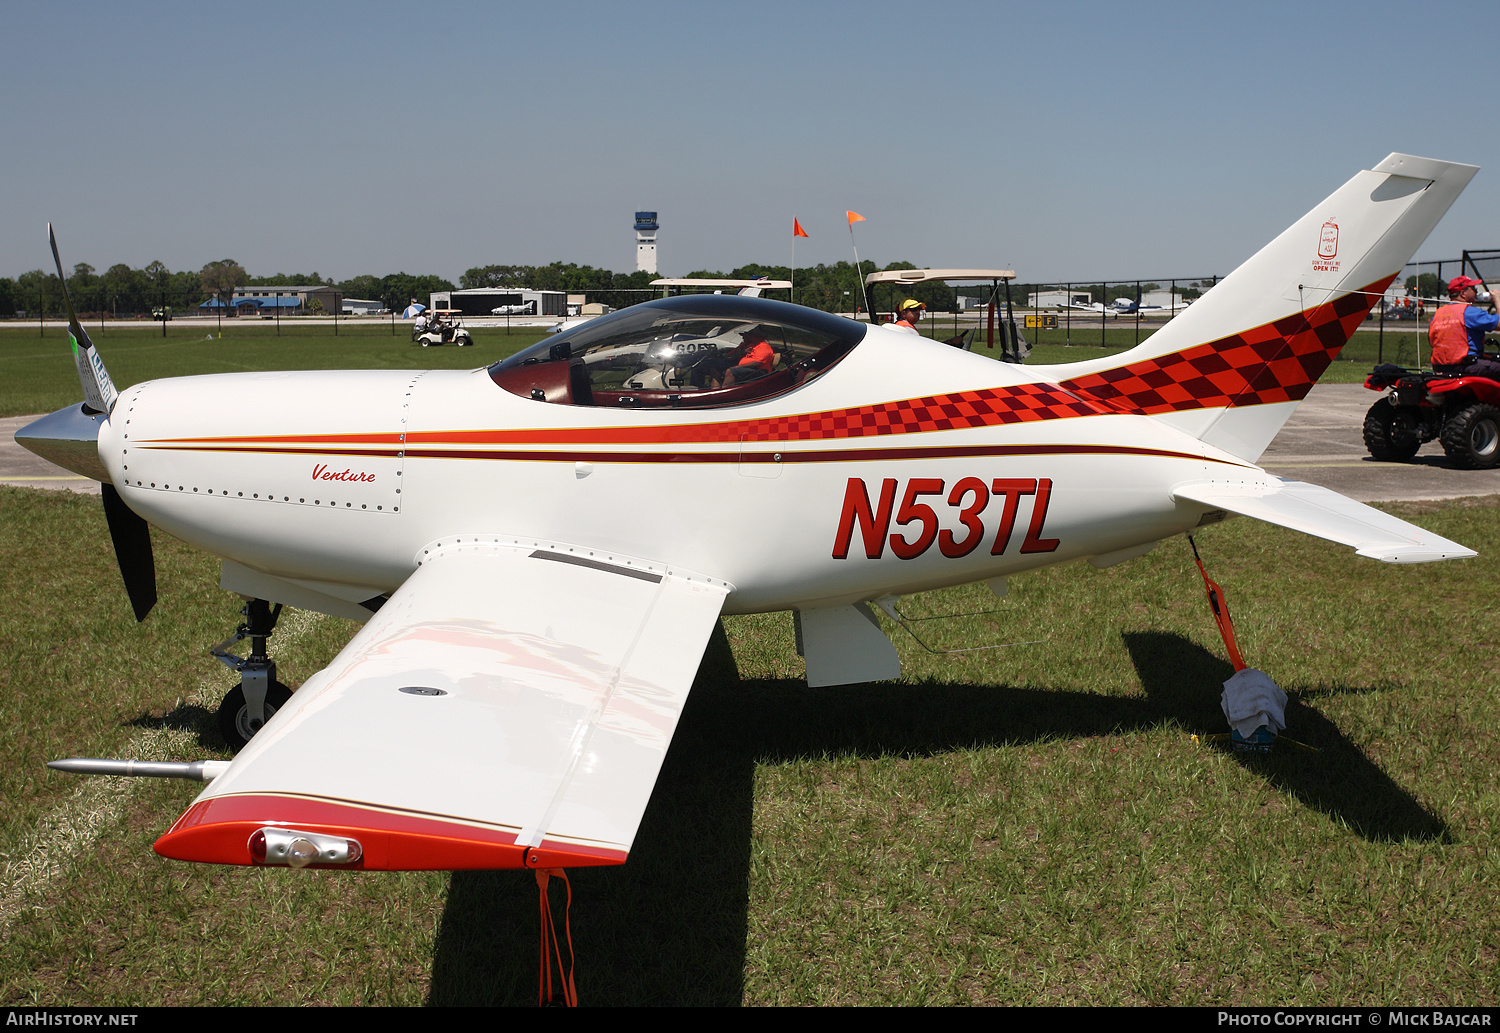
[(854, 217), (797, 230)]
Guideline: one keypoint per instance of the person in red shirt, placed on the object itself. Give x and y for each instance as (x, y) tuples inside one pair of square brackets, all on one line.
[(756, 358)]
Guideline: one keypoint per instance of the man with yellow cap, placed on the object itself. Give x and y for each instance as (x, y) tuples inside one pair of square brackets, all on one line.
[(910, 312)]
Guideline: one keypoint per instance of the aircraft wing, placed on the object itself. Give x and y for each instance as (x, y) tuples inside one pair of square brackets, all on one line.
[(1319, 511), (509, 706)]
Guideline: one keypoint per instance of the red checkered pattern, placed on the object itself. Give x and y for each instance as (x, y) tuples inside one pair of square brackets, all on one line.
[(1277, 362), (1019, 404)]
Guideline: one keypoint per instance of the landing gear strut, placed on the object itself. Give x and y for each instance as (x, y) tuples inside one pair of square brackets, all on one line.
[(249, 705)]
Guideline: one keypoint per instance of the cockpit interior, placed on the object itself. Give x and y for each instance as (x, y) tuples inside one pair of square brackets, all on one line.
[(693, 351)]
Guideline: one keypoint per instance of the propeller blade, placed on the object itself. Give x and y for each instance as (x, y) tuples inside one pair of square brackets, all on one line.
[(132, 538), (99, 394)]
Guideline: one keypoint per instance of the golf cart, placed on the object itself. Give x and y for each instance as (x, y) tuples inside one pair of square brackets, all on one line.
[(1013, 348), (445, 326)]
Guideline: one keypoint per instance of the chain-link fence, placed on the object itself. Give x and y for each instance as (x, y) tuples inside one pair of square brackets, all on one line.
[(1111, 314), (45, 304)]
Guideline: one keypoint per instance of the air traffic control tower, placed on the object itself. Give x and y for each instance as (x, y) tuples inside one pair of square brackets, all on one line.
[(645, 242)]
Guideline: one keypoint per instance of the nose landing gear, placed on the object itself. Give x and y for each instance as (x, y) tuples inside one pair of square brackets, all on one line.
[(249, 705)]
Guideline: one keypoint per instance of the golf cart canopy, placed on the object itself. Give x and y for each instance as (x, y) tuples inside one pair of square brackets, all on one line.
[(907, 276), (764, 283)]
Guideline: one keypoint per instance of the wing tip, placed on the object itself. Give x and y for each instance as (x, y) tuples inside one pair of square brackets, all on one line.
[(1408, 552), (217, 830)]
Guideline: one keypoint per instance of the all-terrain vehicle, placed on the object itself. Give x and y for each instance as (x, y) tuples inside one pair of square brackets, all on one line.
[(1462, 412)]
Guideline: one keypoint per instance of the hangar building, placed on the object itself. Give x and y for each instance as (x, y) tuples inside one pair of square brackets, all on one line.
[(512, 301)]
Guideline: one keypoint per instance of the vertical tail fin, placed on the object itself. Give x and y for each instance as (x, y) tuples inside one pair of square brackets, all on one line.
[(1233, 367), (99, 393)]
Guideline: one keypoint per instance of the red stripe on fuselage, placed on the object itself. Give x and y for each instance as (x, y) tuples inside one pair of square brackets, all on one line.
[(840, 455)]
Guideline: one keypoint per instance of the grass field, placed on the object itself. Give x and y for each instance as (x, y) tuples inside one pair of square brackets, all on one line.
[(39, 374), (1027, 825)]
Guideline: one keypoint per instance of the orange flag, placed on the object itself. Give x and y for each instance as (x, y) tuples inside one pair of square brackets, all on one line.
[(797, 230), (854, 217)]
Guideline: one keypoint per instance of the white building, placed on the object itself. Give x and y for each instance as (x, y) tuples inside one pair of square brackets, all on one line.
[(502, 301), (1059, 299), (286, 298), (1151, 300), (645, 242)]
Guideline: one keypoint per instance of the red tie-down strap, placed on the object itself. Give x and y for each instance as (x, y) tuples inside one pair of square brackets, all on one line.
[(1220, 606), (569, 993)]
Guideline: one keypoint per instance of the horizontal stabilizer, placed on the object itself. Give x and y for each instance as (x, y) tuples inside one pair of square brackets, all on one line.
[(1326, 514)]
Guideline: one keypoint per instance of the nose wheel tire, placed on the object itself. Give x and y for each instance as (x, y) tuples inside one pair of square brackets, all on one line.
[(235, 723)]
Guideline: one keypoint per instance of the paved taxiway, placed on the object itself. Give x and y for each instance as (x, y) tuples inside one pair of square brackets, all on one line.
[(20, 469), (1321, 443), (1324, 443)]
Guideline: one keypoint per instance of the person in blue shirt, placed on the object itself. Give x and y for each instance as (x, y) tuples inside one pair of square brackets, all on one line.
[(1457, 331)]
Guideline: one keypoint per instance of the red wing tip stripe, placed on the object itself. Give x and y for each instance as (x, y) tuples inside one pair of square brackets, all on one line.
[(218, 831)]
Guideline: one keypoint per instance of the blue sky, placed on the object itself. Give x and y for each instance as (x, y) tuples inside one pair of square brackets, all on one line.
[(1064, 140)]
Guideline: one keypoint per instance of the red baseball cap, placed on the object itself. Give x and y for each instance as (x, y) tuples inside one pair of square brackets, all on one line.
[(1459, 283)]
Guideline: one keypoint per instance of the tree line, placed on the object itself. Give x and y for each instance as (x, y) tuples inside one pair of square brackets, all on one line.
[(126, 292)]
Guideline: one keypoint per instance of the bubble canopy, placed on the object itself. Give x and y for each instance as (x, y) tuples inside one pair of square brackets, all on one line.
[(685, 352)]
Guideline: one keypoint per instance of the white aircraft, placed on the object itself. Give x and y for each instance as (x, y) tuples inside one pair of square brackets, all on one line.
[(1130, 306), (540, 550)]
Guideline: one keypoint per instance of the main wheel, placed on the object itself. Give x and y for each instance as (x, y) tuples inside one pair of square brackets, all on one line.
[(1471, 437), (1390, 434), (235, 723)]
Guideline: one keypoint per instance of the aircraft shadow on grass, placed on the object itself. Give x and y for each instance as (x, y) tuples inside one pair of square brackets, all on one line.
[(669, 927), (1338, 780), (185, 717)]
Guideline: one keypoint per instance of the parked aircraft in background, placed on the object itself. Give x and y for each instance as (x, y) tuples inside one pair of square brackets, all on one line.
[(1131, 306)]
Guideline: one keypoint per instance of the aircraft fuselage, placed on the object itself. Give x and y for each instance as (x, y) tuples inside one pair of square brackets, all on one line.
[(817, 496)]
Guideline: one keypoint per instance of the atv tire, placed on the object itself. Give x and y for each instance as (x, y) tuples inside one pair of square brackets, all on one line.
[(1388, 438), (1471, 437)]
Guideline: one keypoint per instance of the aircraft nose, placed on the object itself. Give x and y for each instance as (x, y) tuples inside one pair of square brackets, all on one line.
[(69, 438)]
